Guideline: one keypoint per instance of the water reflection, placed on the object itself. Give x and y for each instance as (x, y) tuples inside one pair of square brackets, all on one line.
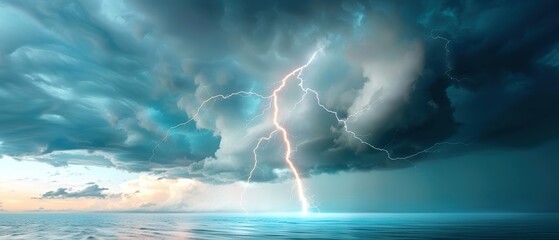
[(266, 226)]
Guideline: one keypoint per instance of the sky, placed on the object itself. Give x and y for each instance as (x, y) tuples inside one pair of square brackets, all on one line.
[(393, 106)]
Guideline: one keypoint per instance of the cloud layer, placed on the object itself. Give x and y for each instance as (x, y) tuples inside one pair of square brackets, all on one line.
[(99, 83)]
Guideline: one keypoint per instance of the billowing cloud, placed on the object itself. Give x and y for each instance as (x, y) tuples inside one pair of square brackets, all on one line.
[(100, 82), (149, 193), (90, 191)]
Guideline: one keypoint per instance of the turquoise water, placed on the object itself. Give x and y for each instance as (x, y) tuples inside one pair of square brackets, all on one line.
[(277, 226)]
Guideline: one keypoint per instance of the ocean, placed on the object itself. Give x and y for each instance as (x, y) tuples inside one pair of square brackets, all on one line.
[(277, 226)]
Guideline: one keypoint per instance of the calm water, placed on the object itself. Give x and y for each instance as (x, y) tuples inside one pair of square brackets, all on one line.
[(269, 226)]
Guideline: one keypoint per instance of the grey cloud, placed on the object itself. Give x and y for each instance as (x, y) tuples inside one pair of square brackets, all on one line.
[(91, 191)]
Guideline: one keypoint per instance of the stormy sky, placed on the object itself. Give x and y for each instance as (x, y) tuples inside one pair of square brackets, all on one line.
[(467, 91)]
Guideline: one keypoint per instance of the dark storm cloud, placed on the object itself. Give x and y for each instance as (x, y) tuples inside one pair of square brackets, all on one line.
[(99, 83), (91, 191), (506, 55)]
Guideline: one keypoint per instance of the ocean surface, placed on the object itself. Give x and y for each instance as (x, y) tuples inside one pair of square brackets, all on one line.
[(277, 226)]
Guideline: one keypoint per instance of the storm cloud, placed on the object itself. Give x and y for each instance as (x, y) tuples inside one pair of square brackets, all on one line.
[(101, 82)]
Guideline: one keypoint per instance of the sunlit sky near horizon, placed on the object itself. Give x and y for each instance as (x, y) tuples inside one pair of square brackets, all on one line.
[(401, 106)]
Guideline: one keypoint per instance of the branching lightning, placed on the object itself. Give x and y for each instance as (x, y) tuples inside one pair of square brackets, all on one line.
[(354, 135), (254, 166), (273, 105), (212, 98), (447, 57)]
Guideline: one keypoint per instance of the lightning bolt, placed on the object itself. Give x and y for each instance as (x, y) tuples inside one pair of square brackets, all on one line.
[(278, 128), (281, 129), (285, 136)]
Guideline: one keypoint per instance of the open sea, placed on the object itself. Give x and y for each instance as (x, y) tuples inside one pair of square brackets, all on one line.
[(277, 226)]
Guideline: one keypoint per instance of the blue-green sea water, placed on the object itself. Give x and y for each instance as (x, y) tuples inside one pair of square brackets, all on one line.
[(277, 226)]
